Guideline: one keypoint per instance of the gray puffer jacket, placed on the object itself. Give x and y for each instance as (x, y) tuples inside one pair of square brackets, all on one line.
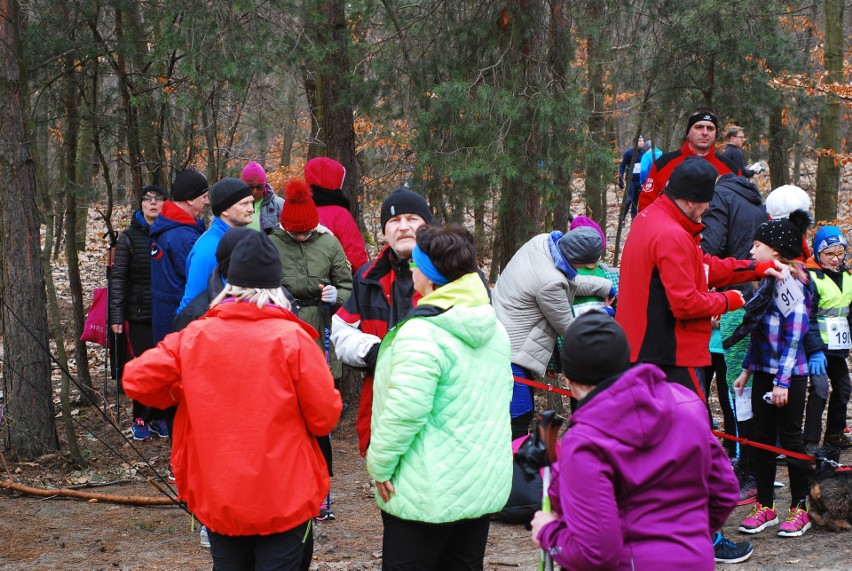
[(533, 300)]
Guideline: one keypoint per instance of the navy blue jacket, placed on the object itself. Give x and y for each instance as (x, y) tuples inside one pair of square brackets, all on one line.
[(173, 234)]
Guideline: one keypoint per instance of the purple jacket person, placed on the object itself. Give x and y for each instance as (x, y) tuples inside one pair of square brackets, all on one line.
[(641, 482)]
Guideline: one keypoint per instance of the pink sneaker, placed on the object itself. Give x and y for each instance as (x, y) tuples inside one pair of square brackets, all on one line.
[(796, 524), (759, 519)]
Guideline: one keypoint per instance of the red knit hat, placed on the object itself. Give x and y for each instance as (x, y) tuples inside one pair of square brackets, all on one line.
[(299, 213), (325, 173)]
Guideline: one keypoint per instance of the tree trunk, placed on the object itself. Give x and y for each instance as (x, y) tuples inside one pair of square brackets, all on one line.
[(828, 170), (71, 102), (598, 164), (332, 111), (27, 393), (779, 161)]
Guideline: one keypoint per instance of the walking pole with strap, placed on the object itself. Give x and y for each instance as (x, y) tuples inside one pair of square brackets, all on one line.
[(538, 453)]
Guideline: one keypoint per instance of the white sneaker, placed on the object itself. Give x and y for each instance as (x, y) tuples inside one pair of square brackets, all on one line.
[(205, 539)]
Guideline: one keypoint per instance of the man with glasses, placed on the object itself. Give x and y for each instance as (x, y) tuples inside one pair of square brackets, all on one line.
[(232, 204), (736, 211), (267, 205), (173, 234), (733, 153)]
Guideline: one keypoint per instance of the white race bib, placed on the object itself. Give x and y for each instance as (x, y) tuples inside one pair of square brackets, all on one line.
[(637, 167), (788, 295), (838, 333)]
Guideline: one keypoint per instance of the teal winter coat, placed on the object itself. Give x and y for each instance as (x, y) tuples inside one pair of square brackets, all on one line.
[(440, 426)]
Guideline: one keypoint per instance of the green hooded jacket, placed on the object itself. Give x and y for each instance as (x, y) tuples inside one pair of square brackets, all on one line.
[(440, 427)]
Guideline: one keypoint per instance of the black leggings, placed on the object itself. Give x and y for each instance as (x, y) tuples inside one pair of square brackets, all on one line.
[(772, 423), (838, 374), (720, 370)]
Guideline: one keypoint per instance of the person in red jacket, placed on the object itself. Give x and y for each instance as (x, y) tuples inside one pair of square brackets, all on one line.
[(258, 484), (700, 137), (325, 177), (665, 303)]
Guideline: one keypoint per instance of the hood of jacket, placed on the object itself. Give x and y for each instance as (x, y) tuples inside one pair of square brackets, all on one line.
[(230, 309), (464, 309), (634, 399), (172, 216), (742, 186), (138, 221)]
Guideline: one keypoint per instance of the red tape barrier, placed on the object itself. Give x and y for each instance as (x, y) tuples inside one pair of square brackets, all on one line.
[(542, 386), (774, 449), (745, 441)]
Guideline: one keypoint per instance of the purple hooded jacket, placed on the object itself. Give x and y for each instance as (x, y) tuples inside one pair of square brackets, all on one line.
[(641, 482)]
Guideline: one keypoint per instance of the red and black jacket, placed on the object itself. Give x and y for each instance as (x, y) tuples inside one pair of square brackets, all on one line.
[(664, 302), (663, 167), (382, 295)]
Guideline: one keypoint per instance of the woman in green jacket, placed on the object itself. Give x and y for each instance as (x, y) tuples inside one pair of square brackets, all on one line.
[(440, 452)]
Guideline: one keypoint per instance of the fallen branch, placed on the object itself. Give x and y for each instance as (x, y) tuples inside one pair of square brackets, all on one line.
[(90, 496)]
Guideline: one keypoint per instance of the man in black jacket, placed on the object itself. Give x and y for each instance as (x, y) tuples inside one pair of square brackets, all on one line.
[(736, 211), (734, 139)]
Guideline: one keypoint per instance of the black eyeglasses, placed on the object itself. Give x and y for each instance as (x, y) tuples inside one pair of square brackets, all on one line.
[(152, 198)]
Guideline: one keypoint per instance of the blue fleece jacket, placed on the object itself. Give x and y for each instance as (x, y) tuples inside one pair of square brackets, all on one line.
[(201, 261)]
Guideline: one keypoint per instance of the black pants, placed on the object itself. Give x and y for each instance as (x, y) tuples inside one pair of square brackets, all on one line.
[(277, 552), (684, 376), (417, 546), (838, 374), (719, 370), (141, 338), (772, 423)]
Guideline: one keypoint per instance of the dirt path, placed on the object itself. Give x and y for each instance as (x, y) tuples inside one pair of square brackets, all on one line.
[(64, 535)]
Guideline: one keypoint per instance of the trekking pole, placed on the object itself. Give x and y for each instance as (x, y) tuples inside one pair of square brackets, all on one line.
[(548, 427), (536, 454), (326, 325)]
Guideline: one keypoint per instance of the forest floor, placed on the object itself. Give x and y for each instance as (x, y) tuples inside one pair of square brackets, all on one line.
[(59, 534)]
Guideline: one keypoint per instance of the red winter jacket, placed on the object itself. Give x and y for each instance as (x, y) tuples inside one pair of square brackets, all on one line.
[(663, 167), (664, 304), (244, 454), (343, 226)]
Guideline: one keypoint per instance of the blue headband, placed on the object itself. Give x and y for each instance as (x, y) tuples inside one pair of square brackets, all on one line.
[(425, 265)]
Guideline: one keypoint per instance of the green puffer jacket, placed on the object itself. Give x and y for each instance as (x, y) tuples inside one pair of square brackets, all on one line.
[(303, 265), (440, 426)]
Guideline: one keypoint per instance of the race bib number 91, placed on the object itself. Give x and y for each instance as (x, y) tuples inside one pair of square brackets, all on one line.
[(788, 294)]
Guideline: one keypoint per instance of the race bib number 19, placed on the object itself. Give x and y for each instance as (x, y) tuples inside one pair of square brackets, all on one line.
[(838, 333), (788, 294)]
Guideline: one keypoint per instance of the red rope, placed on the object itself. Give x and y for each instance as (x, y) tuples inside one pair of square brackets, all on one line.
[(745, 441), (542, 386), (775, 449)]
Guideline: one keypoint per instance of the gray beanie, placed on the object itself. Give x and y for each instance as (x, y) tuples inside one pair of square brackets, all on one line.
[(582, 245)]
